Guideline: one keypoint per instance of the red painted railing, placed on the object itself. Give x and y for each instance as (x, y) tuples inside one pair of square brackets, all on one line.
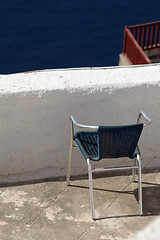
[(138, 38)]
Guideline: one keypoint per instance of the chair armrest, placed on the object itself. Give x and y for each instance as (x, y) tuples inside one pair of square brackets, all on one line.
[(81, 125), (145, 117)]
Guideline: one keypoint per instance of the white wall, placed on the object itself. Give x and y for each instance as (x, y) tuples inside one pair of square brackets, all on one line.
[(35, 108)]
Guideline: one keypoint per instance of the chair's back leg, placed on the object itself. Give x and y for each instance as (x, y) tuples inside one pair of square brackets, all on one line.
[(91, 187), (139, 185), (69, 161)]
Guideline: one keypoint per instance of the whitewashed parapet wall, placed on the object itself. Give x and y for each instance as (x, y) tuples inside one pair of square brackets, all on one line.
[(35, 108)]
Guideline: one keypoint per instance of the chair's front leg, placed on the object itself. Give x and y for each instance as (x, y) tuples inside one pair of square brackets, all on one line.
[(70, 156), (69, 162), (91, 187), (134, 171), (139, 185)]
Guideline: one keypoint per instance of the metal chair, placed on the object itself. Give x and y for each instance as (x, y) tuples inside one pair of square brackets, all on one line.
[(109, 142)]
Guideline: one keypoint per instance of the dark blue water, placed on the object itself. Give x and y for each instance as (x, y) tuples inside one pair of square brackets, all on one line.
[(36, 34)]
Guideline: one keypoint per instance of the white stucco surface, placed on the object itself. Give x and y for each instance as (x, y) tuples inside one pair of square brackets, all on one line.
[(35, 108), (90, 79)]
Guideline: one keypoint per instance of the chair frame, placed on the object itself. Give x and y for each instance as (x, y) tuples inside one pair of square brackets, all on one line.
[(136, 165)]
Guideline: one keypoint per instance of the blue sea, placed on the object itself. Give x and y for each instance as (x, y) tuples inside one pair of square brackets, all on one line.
[(36, 34)]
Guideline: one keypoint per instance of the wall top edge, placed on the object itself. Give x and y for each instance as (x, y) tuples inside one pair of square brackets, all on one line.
[(75, 79)]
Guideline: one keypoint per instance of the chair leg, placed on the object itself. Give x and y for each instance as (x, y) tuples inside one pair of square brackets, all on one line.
[(91, 188), (69, 162), (139, 186), (134, 171)]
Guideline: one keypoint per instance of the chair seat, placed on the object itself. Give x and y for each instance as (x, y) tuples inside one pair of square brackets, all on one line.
[(88, 144)]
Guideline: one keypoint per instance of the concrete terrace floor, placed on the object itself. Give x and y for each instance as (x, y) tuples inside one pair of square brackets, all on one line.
[(50, 210)]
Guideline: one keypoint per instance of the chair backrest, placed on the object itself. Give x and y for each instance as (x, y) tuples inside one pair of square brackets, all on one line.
[(118, 141)]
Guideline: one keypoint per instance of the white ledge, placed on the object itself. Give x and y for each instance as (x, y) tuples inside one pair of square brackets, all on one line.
[(90, 79)]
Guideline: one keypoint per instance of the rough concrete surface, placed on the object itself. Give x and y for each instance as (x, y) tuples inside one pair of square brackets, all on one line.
[(51, 210)]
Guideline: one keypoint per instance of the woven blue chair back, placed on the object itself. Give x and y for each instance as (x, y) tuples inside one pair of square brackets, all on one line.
[(118, 141)]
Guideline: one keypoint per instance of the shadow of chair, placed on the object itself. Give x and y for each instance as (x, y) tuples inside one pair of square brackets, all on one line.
[(151, 200)]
